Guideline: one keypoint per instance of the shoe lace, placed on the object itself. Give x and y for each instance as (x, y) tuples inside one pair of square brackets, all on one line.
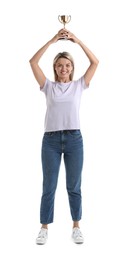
[(42, 233), (78, 233)]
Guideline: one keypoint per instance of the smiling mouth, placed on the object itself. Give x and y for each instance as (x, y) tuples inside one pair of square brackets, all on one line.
[(64, 73)]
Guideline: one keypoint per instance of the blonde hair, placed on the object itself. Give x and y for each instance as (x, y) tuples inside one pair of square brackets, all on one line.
[(67, 56)]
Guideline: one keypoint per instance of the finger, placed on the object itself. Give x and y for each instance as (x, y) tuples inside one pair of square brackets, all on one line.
[(63, 31), (63, 34)]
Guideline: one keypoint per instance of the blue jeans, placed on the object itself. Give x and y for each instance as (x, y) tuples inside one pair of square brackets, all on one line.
[(54, 144)]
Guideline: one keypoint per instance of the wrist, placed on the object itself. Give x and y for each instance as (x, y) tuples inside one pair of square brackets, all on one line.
[(53, 40), (78, 41)]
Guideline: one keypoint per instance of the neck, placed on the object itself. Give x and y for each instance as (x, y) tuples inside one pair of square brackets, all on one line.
[(63, 80)]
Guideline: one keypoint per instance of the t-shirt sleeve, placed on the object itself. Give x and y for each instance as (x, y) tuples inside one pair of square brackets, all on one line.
[(46, 86), (83, 84)]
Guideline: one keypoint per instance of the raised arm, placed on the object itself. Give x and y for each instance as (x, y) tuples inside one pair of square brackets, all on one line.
[(92, 58), (34, 61), (93, 63)]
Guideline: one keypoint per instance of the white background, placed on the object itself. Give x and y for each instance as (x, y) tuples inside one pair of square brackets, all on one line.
[(26, 26)]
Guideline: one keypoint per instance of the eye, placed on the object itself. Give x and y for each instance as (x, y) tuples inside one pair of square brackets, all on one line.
[(68, 65), (59, 65)]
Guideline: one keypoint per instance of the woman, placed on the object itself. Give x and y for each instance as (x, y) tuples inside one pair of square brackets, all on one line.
[(62, 131)]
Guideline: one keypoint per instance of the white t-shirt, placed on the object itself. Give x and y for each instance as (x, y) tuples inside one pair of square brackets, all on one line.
[(63, 103)]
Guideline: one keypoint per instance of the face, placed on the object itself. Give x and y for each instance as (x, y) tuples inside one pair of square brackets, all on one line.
[(63, 68)]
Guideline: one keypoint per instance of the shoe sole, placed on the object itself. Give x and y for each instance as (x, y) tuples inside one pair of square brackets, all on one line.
[(40, 243), (78, 242)]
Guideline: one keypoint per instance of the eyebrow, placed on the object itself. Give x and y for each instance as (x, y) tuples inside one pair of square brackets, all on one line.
[(66, 63)]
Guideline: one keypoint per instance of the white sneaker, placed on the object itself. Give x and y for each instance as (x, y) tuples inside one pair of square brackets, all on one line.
[(42, 236), (77, 236)]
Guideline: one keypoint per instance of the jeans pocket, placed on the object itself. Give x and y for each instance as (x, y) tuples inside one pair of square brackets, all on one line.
[(49, 134), (75, 132)]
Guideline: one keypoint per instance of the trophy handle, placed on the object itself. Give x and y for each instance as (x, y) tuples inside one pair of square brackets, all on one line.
[(59, 18), (69, 18)]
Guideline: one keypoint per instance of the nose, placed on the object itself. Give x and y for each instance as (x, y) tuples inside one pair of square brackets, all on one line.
[(64, 67)]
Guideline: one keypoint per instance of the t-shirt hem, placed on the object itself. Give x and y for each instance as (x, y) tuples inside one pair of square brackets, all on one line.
[(61, 129)]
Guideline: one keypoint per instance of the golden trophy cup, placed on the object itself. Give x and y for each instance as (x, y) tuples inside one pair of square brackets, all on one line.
[(64, 19)]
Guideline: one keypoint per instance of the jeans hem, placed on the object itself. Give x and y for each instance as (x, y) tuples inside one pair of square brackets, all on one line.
[(46, 223)]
